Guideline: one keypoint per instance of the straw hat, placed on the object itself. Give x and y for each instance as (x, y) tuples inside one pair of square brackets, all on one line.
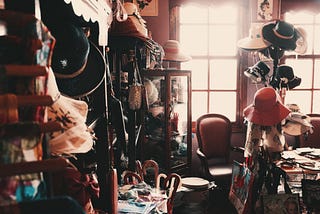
[(267, 109), (173, 52), (255, 40), (281, 34)]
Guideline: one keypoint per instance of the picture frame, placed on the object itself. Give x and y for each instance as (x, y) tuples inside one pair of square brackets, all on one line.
[(265, 10), (150, 10), (281, 203)]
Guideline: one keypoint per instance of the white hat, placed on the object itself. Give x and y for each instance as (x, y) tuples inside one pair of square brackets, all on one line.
[(255, 40), (302, 44), (173, 52), (72, 114)]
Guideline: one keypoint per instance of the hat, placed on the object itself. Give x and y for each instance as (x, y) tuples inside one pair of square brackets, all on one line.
[(72, 114), (297, 123), (301, 43), (258, 72), (77, 63), (280, 34), (285, 78), (255, 40), (267, 109), (173, 52), (134, 26)]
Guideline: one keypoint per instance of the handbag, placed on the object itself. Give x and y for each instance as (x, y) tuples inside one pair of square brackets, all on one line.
[(241, 187), (136, 90)]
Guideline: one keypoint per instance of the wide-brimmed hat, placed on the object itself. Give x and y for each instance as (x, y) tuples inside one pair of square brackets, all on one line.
[(297, 123), (301, 43), (75, 137), (285, 78), (174, 52), (255, 40), (267, 108), (280, 34), (258, 72), (77, 63)]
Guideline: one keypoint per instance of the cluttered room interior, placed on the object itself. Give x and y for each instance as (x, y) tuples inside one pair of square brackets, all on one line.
[(159, 106)]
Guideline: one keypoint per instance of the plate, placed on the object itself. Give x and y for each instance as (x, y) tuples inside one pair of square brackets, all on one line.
[(195, 183), (313, 167)]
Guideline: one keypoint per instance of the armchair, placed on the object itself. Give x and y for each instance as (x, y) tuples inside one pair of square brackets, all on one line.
[(214, 142)]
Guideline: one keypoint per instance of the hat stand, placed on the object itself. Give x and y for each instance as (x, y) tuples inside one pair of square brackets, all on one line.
[(277, 54)]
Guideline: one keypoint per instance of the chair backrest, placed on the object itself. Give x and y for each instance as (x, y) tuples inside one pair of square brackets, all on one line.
[(131, 178), (310, 193), (170, 183), (214, 135), (148, 171), (312, 139)]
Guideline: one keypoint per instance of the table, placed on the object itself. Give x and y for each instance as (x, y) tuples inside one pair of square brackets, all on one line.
[(141, 199)]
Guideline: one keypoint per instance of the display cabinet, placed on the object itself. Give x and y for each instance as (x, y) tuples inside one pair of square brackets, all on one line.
[(167, 125)]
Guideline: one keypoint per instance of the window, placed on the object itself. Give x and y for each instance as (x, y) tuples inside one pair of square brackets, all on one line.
[(306, 66), (210, 35)]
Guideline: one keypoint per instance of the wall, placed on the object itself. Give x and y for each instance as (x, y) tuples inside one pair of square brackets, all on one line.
[(159, 25)]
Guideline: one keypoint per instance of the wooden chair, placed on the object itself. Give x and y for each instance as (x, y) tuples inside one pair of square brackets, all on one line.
[(148, 171), (131, 178), (170, 184)]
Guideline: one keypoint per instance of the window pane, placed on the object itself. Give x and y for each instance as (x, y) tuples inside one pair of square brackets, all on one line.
[(198, 46), (317, 41), (302, 68), (301, 98), (301, 17), (223, 40), (318, 18), (199, 75), (317, 74), (199, 104), (316, 102), (224, 103), (223, 14), (193, 14), (223, 74)]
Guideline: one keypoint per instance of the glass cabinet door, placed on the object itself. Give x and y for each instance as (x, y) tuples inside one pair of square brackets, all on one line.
[(178, 120), (168, 119)]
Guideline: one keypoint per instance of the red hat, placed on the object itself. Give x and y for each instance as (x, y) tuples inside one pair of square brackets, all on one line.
[(267, 109)]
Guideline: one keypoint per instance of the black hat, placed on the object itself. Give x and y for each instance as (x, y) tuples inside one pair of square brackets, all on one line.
[(77, 63), (258, 72), (281, 34), (285, 78)]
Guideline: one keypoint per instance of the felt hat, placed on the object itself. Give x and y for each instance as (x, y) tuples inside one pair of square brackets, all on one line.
[(255, 40), (258, 72), (173, 52), (267, 108), (301, 43), (285, 78), (77, 63), (297, 123), (280, 34), (75, 136)]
